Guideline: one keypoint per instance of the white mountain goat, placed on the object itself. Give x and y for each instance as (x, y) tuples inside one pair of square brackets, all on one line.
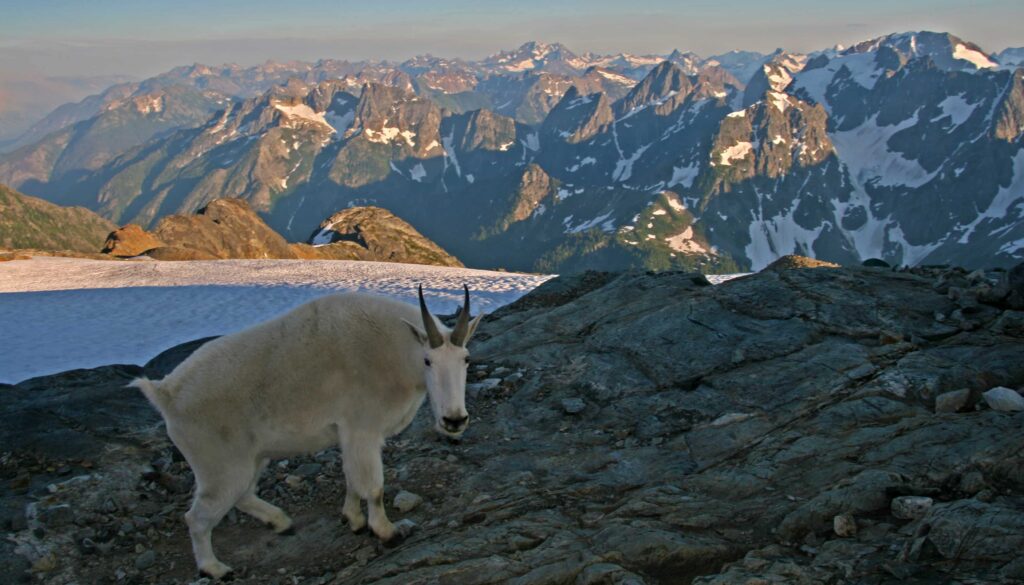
[(348, 369)]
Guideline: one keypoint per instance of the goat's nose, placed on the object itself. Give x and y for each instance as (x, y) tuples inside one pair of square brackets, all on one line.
[(455, 423)]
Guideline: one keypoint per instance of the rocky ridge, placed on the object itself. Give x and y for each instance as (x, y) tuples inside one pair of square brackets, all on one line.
[(229, 228), (813, 425), (29, 222)]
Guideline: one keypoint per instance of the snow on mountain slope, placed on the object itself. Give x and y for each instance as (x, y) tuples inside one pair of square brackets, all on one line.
[(86, 313)]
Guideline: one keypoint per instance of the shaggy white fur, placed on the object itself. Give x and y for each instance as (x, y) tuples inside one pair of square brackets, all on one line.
[(348, 369)]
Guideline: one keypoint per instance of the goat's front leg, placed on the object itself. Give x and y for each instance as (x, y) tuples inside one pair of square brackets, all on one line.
[(364, 474)]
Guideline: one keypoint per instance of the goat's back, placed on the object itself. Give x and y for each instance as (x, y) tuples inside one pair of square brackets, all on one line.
[(338, 352)]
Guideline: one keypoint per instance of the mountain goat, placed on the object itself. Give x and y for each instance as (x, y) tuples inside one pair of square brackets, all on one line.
[(348, 369)]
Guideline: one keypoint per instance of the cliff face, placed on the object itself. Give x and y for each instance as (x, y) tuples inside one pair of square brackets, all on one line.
[(28, 222)]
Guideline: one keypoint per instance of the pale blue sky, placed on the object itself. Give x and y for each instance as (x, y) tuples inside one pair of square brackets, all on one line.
[(144, 37)]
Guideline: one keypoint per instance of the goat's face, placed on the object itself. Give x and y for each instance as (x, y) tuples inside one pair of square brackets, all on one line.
[(445, 375), (445, 359)]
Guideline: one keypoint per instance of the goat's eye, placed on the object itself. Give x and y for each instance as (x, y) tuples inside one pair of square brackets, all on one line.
[(426, 362)]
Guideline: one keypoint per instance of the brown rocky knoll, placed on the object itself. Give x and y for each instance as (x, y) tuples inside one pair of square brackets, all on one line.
[(373, 233), (834, 425), (229, 228)]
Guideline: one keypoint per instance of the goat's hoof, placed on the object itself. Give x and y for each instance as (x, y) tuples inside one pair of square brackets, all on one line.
[(290, 531), (218, 572), (403, 528), (360, 530)]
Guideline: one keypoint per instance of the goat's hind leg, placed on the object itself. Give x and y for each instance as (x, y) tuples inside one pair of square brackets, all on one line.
[(353, 507), (263, 510), (218, 489)]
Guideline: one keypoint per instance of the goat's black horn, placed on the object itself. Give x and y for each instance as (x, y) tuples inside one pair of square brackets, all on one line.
[(433, 335), (462, 323)]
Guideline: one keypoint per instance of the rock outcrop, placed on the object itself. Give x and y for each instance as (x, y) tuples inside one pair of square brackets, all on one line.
[(372, 233), (130, 240), (229, 228), (224, 228), (627, 428)]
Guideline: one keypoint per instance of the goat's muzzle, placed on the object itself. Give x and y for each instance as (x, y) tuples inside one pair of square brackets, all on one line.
[(454, 425)]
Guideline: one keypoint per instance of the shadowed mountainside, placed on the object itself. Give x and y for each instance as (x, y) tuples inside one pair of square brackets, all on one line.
[(30, 222)]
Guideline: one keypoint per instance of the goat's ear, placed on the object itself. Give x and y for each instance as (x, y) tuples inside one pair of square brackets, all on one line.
[(421, 336), (471, 329)]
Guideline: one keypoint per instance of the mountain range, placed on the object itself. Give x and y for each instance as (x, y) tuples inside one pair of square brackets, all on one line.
[(907, 147)]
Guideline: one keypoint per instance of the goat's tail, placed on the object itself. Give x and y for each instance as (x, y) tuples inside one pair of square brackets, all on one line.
[(154, 392)]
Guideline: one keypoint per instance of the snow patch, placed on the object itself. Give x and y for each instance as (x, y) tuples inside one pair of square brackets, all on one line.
[(304, 112), (163, 304), (866, 153), (684, 242), (956, 108), (977, 59), (684, 175), (738, 151), (624, 166), (418, 173), (599, 220)]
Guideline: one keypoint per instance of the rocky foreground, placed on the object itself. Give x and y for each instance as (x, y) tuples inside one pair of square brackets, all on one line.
[(818, 425)]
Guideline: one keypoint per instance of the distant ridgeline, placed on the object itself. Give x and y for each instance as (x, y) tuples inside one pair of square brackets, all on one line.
[(908, 148)]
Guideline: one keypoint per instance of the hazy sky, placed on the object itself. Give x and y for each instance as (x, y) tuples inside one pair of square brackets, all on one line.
[(145, 37)]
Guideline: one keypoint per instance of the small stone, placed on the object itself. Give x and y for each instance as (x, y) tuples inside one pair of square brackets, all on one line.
[(53, 516), (910, 507), (844, 525), (862, 371), (293, 480), (952, 401), (729, 418), (483, 385), (514, 378), (308, 469), (45, 564), (501, 372), (406, 501), (1004, 399), (145, 560), (573, 405)]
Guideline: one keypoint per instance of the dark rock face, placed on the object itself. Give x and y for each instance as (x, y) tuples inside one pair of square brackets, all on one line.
[(633, 428)]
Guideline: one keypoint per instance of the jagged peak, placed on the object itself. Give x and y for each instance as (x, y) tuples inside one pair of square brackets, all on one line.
[(947, 50)]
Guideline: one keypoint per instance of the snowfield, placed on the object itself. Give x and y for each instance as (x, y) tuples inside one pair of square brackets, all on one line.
[(58, 314)]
